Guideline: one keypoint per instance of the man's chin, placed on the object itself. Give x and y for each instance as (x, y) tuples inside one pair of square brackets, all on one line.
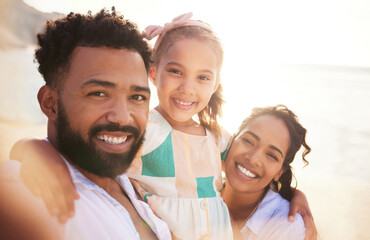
[(108, 164)]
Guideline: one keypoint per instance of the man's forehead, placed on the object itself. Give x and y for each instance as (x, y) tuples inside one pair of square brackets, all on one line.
[(94, 55), (107, 64)]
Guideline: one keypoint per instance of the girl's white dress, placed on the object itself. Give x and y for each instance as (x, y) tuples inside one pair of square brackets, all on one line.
[(179, 176)]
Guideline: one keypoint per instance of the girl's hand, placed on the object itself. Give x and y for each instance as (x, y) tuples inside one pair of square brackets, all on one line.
[(299, 204), (45, 174)]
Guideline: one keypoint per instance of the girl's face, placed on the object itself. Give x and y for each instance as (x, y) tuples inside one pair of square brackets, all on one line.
[(257, 154), (186, 78)]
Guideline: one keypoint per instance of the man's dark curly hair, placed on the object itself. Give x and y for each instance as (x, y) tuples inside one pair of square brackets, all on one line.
[(104, 29)]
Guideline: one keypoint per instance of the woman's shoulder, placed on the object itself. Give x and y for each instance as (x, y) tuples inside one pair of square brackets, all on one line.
[(271, 219)]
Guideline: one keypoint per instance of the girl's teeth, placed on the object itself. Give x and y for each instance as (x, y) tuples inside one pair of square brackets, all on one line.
[(114, 140), (182, 103), (246, 172)]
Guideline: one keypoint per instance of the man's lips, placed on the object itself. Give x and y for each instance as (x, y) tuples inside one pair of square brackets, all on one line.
[(114, 142)]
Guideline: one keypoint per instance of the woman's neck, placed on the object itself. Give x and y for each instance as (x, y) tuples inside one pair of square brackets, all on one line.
[(241, 205), (189, 127)]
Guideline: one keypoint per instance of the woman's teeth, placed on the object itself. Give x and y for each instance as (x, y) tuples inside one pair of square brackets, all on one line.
[(245, 171), (112, 140), (183, 103)]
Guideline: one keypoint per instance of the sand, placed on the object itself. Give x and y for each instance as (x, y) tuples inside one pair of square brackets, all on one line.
[(10, 132)]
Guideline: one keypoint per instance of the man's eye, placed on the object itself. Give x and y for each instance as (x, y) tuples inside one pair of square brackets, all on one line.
[(139, 97), (97, 94)]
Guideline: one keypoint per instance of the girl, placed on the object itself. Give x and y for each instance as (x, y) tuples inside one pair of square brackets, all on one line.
[(258, 169), (178, 171)]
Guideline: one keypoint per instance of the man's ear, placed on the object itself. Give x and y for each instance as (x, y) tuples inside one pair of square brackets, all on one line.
[(152, 75), (47, 98)]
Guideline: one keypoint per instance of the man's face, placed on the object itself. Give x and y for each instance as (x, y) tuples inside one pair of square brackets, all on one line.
[(103, 109)]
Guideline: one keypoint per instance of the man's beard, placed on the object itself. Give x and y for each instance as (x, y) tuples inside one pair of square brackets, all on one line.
[(87, 156)]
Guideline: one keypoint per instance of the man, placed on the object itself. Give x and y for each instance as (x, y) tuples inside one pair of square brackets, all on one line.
[(96, 99)]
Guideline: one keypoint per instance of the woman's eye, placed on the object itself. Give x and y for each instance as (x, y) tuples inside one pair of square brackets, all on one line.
[(97, 94), (246, 140), (273, 156)]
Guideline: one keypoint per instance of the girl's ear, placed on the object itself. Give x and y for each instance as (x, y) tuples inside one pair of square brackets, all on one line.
[(47, 98), (152, 75), (216, 85)]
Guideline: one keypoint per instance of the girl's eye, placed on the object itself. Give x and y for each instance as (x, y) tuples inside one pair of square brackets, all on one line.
[(139, 97), (204, 78), (175, 71), (97, 94)]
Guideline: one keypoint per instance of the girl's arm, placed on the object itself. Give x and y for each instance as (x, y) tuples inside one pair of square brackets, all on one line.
[(45, 174), (299, 204)]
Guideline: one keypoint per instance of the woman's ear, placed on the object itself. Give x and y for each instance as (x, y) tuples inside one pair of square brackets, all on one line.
[(278, 175), (152, 75), (47, 98)]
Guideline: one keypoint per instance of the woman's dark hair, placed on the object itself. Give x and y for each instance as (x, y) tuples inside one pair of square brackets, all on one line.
[(297, 139), (104, 29)]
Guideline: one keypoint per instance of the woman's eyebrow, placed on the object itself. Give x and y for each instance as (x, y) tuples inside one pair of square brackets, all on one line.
[(253, 135), (276, 149)]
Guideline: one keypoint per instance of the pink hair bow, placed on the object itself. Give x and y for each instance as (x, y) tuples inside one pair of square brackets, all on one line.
[(152, 31)]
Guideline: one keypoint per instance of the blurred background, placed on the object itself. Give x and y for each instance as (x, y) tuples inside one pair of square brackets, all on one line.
[(313, 56)]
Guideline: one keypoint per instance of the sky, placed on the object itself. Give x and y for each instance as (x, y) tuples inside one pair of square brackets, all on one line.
[(334, 32)]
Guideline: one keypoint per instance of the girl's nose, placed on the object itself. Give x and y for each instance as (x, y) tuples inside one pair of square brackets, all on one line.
[(187, 86)]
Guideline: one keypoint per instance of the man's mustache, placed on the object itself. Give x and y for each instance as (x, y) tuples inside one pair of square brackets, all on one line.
[(114, 127)]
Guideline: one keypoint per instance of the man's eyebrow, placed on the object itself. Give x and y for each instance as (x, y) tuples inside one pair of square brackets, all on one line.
[(99, 83), (137, 88)]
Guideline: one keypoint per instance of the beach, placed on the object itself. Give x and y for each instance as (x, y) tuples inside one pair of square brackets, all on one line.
[(331, 103)]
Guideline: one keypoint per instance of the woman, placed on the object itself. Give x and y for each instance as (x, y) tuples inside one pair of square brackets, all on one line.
[(257, 167)]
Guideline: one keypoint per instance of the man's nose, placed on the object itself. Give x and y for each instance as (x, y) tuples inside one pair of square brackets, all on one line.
[(120, 112)]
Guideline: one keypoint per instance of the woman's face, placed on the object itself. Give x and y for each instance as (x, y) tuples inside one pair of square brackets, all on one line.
[(257, 154)]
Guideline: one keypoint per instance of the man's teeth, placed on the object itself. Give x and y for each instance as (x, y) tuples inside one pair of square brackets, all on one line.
[(112, 140), (246, 172), (182, 103)]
